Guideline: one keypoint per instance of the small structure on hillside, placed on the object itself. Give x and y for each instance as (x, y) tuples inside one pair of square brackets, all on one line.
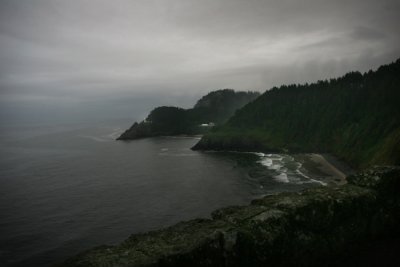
[(210, 124)]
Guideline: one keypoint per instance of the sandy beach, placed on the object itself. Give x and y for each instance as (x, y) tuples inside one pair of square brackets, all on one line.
[(327, 169)]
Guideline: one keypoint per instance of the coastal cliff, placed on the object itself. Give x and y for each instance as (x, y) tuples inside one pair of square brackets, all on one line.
[(215, 108), (308, 228), (355, 117)]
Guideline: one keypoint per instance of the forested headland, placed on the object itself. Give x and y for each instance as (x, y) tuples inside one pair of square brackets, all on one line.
[(215, 108), (355, 117)]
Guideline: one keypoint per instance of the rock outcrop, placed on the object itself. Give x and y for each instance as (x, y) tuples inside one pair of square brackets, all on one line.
[(307, 228)]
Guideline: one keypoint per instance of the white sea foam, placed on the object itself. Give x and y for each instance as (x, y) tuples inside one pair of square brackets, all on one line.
[(276, 166), (310, 180), (276, 162), (319, 182), (298, 170), (94, 138), (282, 177), (302, 174), (117, 132), (266, 162)]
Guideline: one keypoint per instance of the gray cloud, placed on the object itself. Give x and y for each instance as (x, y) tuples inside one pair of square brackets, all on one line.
[(66, 51), (364, 33)]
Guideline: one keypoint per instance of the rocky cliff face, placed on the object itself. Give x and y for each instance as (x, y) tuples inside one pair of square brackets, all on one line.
[(289, 229)]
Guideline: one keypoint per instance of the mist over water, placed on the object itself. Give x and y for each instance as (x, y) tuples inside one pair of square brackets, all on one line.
[(67, 188)]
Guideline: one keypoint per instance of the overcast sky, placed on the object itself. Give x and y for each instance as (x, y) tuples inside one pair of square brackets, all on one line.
[(123, 57)]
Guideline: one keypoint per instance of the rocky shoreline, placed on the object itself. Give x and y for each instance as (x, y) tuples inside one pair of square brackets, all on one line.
[(308, 228)]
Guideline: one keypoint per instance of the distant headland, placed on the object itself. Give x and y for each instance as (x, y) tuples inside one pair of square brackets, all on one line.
[(213, 109)]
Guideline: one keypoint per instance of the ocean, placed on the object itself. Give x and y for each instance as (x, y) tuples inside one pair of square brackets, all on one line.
[(64, 189)]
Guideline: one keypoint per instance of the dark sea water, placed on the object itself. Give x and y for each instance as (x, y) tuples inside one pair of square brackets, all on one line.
[(66, 189)]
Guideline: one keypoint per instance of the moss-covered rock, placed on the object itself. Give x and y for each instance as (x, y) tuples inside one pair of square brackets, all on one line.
[(289, 229), (383, 178)]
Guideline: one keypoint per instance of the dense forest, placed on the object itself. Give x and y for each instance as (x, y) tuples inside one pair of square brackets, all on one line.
[(355, 117), (214, 108)]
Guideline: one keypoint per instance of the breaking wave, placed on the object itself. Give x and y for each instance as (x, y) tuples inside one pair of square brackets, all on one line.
[(286, 169)]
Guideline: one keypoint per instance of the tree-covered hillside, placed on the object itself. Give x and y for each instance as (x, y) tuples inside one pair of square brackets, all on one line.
[(356, 117), (216, 108)]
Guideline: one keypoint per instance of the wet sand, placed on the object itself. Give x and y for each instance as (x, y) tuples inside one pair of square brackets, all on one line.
[(324, 168)]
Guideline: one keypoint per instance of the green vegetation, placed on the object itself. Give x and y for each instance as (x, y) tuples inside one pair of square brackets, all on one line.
[(315, 227), (216, 107), (355, 117)]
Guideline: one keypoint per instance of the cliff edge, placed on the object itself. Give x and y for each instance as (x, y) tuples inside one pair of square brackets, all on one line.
[(308, 228)]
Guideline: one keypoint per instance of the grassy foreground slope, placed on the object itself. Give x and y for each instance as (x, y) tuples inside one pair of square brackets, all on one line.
[(355, 117), (216, 107)]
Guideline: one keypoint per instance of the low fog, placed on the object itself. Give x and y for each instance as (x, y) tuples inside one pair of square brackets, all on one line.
[(110, 60)]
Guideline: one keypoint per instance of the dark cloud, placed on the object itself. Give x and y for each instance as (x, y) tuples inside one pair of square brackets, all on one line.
[(57, 50)]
